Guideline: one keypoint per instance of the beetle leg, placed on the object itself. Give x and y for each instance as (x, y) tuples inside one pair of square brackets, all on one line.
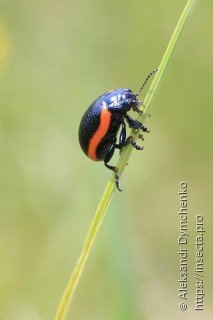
[(131, 140), (115, 169), (135, 124), (124, 142), (136, 109), (122, 137), (140, 136)]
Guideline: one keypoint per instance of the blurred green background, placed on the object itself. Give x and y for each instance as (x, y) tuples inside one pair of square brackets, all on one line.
[(56, 57)]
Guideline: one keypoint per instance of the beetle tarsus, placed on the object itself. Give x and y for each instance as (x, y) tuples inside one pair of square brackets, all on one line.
[(131, 140), (116, 171), (135, 145), (140, 136)]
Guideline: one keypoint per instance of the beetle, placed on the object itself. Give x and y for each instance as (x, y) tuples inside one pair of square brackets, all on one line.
[(101, 122)]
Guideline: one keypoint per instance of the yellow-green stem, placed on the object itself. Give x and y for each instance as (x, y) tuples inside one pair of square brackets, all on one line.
[(109, 191)]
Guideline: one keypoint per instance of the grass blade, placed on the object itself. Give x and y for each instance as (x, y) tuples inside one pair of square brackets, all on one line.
[(109, 191)]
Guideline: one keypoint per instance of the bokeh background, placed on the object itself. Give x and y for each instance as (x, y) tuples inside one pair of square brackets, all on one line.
[(56, 57)]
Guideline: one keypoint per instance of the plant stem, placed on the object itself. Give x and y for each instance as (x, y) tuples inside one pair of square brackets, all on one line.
[(109, 191)]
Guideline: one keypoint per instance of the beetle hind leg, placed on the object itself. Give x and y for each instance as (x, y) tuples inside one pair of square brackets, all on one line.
[(116, 171), (108, 158)]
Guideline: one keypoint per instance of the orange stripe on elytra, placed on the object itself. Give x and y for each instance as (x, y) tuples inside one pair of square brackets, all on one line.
[(100, 133)]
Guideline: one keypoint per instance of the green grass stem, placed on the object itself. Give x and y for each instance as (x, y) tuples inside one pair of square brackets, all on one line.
[(109, 191)]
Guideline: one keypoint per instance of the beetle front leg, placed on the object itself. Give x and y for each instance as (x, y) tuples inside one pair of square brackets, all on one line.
[(136, 109), (135, 124)]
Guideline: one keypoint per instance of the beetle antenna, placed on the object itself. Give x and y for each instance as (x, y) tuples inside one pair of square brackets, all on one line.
[(147, 78)]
